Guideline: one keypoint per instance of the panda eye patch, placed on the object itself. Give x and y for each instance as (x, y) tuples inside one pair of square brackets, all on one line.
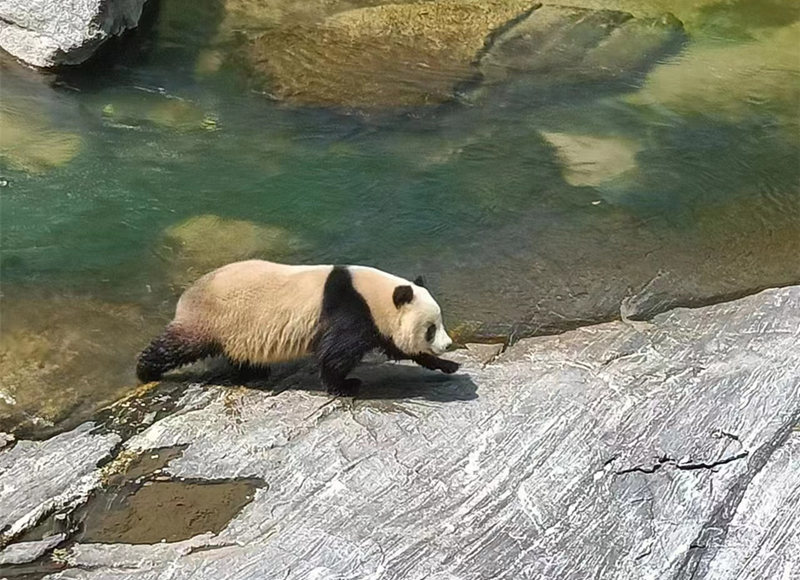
[(430, 333)]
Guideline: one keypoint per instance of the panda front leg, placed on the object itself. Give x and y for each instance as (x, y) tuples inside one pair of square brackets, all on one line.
[(338, 354), (435, 363), (427, 361)]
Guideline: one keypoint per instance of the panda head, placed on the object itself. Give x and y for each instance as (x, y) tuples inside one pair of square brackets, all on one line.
[(419, 329)]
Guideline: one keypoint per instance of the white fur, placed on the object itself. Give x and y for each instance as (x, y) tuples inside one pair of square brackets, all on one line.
[(263, 312)]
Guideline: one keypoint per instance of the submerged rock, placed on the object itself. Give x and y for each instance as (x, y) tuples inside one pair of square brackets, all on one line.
[(58, 365), (143, 108), (731, 80), (555, 45), (46, 33), (389, 55), (591, 160), (704, 16), (201, 243), (30, 144)]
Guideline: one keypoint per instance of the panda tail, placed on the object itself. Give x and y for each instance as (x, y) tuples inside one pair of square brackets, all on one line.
[(172, 349)]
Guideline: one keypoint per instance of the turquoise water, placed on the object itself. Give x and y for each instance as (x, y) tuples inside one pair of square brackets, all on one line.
[(477, 196)]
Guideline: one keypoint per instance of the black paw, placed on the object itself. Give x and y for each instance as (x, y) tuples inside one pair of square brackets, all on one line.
[(448, 366), (347, 388)]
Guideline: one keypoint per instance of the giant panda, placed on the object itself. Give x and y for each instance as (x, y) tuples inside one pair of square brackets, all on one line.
[(256, 313)]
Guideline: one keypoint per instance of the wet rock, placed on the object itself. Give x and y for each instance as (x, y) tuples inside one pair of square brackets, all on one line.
[(56, 361), (485, 353), (24, 552), (664, 450), (6, 439), (29, 143), (258, 15), (591, 160), (201, 243), (389, 55), (731, 81), (37, 477), (46, 33), (555, 45), (137, 516)]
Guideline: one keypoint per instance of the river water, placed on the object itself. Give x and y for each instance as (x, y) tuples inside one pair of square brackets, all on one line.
[(527, 210)]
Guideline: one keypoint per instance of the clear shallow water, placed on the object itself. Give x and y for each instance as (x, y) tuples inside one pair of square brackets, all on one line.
[(529, 210)]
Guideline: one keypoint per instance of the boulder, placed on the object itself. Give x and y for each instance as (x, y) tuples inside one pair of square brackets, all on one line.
[(47, 33), (389, 55)]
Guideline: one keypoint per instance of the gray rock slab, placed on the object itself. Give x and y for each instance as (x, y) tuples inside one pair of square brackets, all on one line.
[(762, 539), (649, 450), (46, 33), (37, 477), (24, 552)]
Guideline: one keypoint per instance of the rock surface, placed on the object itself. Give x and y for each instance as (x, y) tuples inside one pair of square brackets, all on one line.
[(39, 477), (422, 52), (564, 44), (46, 33), (389, 55), (656, 450)]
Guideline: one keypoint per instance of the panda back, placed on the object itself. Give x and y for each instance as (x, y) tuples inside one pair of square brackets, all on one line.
[(258, 311)]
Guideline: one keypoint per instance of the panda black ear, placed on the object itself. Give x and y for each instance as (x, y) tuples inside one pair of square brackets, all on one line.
[(402, 295), (419, 281)]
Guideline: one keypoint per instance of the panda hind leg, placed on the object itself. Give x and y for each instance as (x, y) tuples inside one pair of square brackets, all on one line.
[(174, 348)]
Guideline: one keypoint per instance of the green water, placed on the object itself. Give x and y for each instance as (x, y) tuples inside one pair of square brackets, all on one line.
[(697, 194)]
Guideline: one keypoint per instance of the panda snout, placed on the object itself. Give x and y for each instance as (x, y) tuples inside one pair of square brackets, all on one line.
[(443, 345)]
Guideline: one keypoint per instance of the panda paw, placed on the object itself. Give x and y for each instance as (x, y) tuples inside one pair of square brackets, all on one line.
[(347, 388), (448, 366)]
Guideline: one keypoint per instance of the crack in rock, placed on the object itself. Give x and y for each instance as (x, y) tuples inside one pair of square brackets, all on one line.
[(712, 535), (682, 465)]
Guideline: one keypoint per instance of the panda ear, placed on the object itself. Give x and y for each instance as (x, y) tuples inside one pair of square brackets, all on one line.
[(402, 295), (419, 281)]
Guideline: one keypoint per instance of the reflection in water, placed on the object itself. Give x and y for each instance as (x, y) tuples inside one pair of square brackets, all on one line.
[(530, 204)]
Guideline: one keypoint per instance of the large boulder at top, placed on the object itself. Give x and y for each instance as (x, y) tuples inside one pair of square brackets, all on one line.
[(47, 33), (390, 55), (422, 52)]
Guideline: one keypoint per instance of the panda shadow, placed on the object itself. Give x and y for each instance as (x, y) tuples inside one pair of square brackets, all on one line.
[(403, 381), (380, 380)]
